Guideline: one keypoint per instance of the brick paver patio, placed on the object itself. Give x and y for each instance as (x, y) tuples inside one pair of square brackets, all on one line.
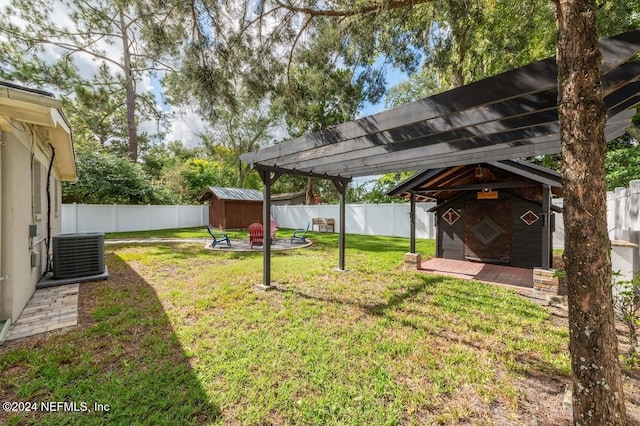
[(485, 272), (48, 309)]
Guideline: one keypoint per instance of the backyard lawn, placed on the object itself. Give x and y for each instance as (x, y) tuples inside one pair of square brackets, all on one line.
[(180, 335)]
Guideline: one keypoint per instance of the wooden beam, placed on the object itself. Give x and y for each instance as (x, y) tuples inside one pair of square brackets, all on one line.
[(341, 186), (547, 248), (412, 221), (478, 186), (443, 156)]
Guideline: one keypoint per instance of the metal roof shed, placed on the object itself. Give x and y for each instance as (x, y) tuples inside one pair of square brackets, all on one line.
[(233, 208), (507, 116)]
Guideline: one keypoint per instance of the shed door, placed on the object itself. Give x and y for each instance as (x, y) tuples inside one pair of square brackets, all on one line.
[(487, 231)]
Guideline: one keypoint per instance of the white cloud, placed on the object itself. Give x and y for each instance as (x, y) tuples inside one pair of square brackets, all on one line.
[(185, 127)]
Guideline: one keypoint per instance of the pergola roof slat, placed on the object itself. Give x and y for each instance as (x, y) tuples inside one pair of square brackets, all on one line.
[(499, 131), (426, 158), (463, 149), (520, 112), (510, 115)]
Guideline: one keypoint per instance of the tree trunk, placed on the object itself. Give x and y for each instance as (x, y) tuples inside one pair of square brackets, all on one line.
[(632, 354), (131, 92), (458, 68), (597, 384), (241, 174), (309, 192)]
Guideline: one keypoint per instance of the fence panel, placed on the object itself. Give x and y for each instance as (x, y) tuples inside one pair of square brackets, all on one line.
[(133, 218), (122, 218), (95, 218), (164, 217), (367, 219), (192, 216)]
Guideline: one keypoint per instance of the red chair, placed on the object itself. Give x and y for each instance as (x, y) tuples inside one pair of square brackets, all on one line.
[(256, 234), (274, 228)]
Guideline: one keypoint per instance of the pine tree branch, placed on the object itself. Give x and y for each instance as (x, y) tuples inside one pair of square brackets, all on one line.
[(372, 7)]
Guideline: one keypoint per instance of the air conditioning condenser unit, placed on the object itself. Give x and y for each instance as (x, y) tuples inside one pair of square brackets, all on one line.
[(78, 255)]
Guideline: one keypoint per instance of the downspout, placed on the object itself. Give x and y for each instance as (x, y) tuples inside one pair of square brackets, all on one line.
[(4, 325), (49, 267)]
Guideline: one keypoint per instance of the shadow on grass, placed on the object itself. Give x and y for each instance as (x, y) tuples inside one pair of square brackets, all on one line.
[(466, 301), (124, 355), (367, 243)]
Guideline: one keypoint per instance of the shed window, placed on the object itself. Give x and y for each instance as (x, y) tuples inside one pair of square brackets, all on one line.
[(451, 216), (529, 218)]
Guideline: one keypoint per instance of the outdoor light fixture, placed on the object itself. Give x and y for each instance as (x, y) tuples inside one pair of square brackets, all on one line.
[(487, 194)]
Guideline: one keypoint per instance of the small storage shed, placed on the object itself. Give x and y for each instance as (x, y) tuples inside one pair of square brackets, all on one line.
[(496, 212), (233, 208)]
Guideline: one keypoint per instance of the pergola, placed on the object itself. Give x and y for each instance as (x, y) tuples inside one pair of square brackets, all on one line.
[(507, 116)]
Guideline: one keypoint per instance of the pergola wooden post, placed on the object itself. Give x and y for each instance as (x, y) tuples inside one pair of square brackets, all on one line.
[(341, 186), (546, 227), (268, 179)]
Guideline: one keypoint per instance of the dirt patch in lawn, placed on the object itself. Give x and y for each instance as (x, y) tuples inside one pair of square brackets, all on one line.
[(542, 399)]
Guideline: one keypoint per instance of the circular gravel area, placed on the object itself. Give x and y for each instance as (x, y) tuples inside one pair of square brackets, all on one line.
[(243, 245)]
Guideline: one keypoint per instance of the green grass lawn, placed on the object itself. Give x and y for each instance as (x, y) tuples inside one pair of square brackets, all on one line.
[(180, 335), (196, 232)]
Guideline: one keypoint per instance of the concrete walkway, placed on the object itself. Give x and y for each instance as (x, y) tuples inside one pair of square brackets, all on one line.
[(237, 244), (48, 309)]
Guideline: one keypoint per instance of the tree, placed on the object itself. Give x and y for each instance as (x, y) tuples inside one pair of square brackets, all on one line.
[(94, 30), (239, 129), (96, 115), (320, 93), (598, 396), (105, 178), (384, 184), (622, 167)]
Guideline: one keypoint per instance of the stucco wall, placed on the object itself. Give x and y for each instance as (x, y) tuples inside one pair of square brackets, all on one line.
[(17, 215)]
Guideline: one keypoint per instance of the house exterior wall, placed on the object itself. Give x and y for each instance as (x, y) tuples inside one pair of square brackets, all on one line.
[(17, 214), (297, 200)]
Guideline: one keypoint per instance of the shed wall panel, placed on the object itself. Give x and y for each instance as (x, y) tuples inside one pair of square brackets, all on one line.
[(526, 240), (241, 214), (216, 213), (451, 237)]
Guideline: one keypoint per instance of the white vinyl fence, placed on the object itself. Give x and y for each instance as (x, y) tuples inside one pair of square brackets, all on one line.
[(368, 219), (380, 219), (118, 218), (623, 213), (623, 217)]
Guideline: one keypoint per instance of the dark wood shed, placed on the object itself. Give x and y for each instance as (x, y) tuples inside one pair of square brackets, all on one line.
[(233, 208), (496, 212)]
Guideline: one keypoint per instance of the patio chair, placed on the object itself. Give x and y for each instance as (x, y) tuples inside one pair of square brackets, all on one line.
[(300, 234), (218, 237), (256, 234), (274, 228)]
